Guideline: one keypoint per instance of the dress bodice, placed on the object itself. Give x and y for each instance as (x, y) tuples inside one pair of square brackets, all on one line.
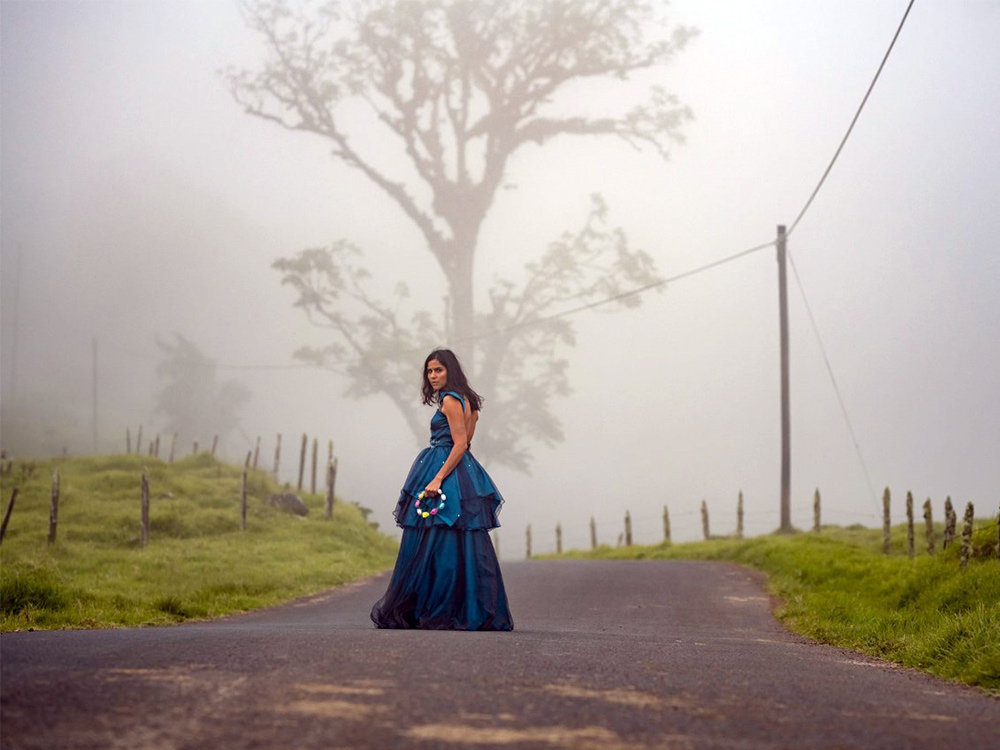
[(440, 430)]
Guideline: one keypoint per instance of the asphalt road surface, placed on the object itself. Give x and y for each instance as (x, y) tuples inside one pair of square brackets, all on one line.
[(605, 656)]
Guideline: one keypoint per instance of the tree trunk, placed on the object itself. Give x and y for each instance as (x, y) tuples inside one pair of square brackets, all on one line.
[(462, 304)]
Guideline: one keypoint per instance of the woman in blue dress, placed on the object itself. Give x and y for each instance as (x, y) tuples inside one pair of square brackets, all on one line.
[(447, 576)]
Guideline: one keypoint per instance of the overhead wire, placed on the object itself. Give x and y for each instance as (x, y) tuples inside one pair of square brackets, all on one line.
[(617, 297), (833, 380), (854, 121)]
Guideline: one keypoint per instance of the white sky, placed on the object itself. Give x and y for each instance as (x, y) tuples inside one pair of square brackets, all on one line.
[(145, 202)]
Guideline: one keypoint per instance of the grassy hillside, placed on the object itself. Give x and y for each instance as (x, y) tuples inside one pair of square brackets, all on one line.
[(837, 587), (197, 563)]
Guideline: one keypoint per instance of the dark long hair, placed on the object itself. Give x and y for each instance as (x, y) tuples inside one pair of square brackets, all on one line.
[(457, 381)]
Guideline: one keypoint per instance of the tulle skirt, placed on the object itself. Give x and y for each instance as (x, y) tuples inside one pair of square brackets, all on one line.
[(445, 579)]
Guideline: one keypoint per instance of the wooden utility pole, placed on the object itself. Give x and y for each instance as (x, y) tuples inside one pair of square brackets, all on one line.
[(277, 456), (786, 420)]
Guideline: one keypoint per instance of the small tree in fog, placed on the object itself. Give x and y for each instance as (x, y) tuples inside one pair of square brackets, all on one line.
[(459, 87), (195, 403)]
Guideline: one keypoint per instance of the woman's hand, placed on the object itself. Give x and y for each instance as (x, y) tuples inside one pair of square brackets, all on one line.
[(433, 488)]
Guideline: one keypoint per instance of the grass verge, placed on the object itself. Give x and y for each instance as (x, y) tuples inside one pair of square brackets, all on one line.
[(838, 588), (197, 564)]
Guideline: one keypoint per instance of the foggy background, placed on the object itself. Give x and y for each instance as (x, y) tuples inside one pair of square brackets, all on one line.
[(142, 201)]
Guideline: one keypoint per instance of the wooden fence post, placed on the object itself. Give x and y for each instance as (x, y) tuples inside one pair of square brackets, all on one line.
[(194, 448), (246, 462), (277, 456), (558, 539), (243, 498), (331, 478), (329, 450), (739, 516), (928, 527), (967, 535), (950, 520), (128, 441), (528, 542), (816, 518), (156, 452), (910, 547), (704, 519), (315, 458), (6, 516), (885, 521), (628, 529), (144, 509), (593, 533), (54, 508), (173, 445), (302, 460), (215, 444), (256, 453), (138, 442), (666, 525)]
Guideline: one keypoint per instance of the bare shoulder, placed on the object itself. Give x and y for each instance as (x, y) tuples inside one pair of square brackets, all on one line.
[(451, 404)]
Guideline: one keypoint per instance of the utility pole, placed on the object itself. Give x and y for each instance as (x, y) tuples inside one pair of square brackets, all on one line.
[(94, 415), (786, 439)]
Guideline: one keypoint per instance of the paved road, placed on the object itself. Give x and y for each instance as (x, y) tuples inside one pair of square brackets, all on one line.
[(605, 656)]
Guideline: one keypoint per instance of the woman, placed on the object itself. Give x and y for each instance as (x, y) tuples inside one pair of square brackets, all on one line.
[(447, 576)]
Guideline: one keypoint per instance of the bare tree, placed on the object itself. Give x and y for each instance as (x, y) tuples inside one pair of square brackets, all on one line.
[(460, 86)]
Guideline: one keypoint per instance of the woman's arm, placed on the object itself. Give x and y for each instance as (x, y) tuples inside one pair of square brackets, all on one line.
[(456, 423)]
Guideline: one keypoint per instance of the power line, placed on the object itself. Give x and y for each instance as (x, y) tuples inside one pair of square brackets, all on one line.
[(833, 380), (853, 122), (616, 297)]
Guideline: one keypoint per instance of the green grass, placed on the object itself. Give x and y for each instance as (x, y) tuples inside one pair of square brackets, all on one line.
[(197, 564), (837, 587)]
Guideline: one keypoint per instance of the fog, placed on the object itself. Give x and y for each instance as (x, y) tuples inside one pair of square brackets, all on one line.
[(138, 200)]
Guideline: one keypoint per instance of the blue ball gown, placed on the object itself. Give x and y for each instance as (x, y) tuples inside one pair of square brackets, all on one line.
[(447, 576)]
